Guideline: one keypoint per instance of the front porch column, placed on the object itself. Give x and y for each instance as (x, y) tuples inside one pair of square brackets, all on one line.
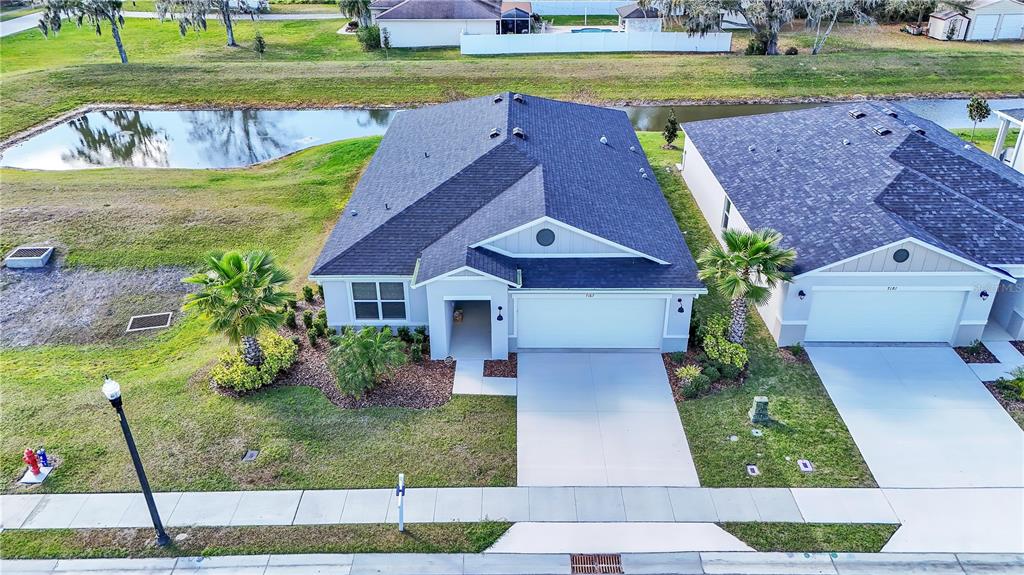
[(1004, 128)]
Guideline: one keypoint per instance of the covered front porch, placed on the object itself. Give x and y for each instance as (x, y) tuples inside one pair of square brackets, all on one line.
[(1010, 121)]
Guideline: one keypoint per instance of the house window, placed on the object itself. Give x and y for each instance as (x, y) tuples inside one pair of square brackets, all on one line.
[(725, 214), (378, 300)]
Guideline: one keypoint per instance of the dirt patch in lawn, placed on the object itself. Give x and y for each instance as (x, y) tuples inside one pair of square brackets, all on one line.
[(414, 385), (81, 306), (976, 353), (1009, 398), (502, 367)]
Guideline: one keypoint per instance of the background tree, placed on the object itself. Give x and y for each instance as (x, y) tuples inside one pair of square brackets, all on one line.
[(745, 270), (671, 129), (385, 41), (828, 12), (191, 14), (918, 9), (978, 111), (363, 358), (357, 9), (241, 295), (96, 12), (259, 45)]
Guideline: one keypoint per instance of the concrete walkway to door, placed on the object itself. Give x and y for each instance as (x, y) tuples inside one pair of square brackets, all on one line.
[(596, 419), (921, 417)]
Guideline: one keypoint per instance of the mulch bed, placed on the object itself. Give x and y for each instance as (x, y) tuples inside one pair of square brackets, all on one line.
[(794, 354), (1009, 398), (976, 354), (414, 385), (691, 358), (1019, 344), (502, 367)]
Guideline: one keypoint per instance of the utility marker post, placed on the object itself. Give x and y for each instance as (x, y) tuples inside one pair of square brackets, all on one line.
[(400, 493)]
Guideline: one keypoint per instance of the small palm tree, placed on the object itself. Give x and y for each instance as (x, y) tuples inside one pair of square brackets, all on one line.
[(363, 358), (358, 9), (745, 270), (241, 294)]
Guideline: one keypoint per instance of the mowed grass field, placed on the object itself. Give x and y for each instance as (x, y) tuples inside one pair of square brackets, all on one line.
[(308, 64), (190, 437)]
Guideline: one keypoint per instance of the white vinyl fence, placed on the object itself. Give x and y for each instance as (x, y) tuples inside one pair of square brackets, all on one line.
[(577, 7), (478, 45)]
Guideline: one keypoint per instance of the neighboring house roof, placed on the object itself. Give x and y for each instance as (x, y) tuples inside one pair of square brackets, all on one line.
[(439, 183), (835, 188), (945, 14), (524, 6), (443, 10), (635, 11), (514, 14), (384, 4)]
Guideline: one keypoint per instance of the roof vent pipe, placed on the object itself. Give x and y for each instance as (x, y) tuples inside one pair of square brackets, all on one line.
[(856, 114), (498, 98), (604, 140), (846, 142), (495, 133), (519, 133), (750, 148), (517, 97), (890, 112), (632, 148)]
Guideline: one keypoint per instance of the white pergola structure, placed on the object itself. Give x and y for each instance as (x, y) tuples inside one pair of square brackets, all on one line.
[(1011, 156)]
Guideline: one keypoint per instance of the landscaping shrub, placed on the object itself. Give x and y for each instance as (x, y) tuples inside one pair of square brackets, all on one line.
[(677, 356), (320, 291), (311, 335), (698, 385), (364, 358), (717, 346), (757, 46), (792, 51), (1016, 381), (369, 38), (320, 325), (416, 348), (729, 371), (307, 294), (232, 372), (405, 334), (687, 373), (307, 319), (422, 330), (289, 319), (711, 372)]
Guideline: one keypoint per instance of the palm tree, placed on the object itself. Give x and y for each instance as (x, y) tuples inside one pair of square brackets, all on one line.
[(242, 295), (97, 12), (358, 9), (363, 358), (745, 270)]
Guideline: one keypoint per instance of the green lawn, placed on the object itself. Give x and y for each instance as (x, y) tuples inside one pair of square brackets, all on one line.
[(191, 437), (307, 63), (985, 138), (210, 541), (808, 425), (813, 537), (578, 20)]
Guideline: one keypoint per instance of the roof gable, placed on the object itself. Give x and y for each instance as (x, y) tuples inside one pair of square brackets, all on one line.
[(443, 10)]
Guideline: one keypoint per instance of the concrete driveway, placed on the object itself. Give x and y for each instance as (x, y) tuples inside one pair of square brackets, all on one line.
[(599, 419), (921, 418)]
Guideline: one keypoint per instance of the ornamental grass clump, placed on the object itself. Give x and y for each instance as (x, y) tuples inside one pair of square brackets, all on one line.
[(364, 358)]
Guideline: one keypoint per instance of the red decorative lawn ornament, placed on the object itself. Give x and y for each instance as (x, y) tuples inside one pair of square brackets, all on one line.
[(32, 461)]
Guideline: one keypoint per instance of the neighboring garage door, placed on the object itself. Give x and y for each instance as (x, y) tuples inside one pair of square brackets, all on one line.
[(900, 315), (984, 27), (1011, 27), (590, 322)]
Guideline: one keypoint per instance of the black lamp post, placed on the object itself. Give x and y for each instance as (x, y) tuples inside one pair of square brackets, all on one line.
[(112, 391)]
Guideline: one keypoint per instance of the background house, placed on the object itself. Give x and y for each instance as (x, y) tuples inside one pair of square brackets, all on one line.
[(432, 23), (903, 232), (984, 20), (511, 222), (633, 18)]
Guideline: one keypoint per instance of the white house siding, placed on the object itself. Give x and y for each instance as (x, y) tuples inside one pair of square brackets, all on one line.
[(440, 298), (997, 21), (642, 24), (338, 303), (567, 243), (922, 259), (939, 29), (432, 33)]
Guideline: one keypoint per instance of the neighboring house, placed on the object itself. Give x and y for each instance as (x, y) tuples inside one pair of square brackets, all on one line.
[(516, 17), (378, 7), (432, 23), (903, 232), (633, 18), (984, 20), (511, 222), (1011, 154)]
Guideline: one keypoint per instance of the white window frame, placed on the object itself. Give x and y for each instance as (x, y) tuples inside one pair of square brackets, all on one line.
[(380, 311), (725, 213)]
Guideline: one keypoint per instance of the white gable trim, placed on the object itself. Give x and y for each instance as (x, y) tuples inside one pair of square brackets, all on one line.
[(628, 252), (918, 242), (452, 276)]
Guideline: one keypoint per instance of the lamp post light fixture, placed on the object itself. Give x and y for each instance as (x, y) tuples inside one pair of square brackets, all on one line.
[(681, 308), (112, 391), (801, 294), (499, 314), (984, 295)]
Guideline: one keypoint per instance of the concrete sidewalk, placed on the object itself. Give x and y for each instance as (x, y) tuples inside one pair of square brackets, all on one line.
[(433, 505), (736, 563)]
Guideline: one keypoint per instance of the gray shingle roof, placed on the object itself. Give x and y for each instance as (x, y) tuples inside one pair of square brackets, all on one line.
[(443, 10), (635, 11), (448, 185), (831, 200), (1015, 113)]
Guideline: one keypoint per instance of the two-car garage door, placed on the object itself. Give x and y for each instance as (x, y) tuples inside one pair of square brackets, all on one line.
[(882, 315), (580, 322)]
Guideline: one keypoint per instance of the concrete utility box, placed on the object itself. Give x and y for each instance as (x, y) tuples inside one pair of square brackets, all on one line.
[(759, 411), (29, 257)]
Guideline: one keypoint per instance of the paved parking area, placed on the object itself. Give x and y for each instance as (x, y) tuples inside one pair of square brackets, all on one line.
[(596, 419), (921, 417)]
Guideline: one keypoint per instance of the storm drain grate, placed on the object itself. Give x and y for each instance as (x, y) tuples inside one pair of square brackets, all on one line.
[(603, 563), (151, 321), (28, 252)]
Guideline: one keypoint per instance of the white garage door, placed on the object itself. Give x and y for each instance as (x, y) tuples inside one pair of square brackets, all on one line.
[(984, 27), (882, 315), (594, 322), (1012, 27)]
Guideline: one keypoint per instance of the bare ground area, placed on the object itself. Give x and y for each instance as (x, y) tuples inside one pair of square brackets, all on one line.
[(80, 306)]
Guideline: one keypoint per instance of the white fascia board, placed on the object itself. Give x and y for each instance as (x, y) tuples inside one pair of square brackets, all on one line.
[(1008, 117), (462, 269), (319, 278), (912, 240), (688, 290), (584, 233)]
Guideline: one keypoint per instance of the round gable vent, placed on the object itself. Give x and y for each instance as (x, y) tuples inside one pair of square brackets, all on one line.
[(901, 255), (545, 237)]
